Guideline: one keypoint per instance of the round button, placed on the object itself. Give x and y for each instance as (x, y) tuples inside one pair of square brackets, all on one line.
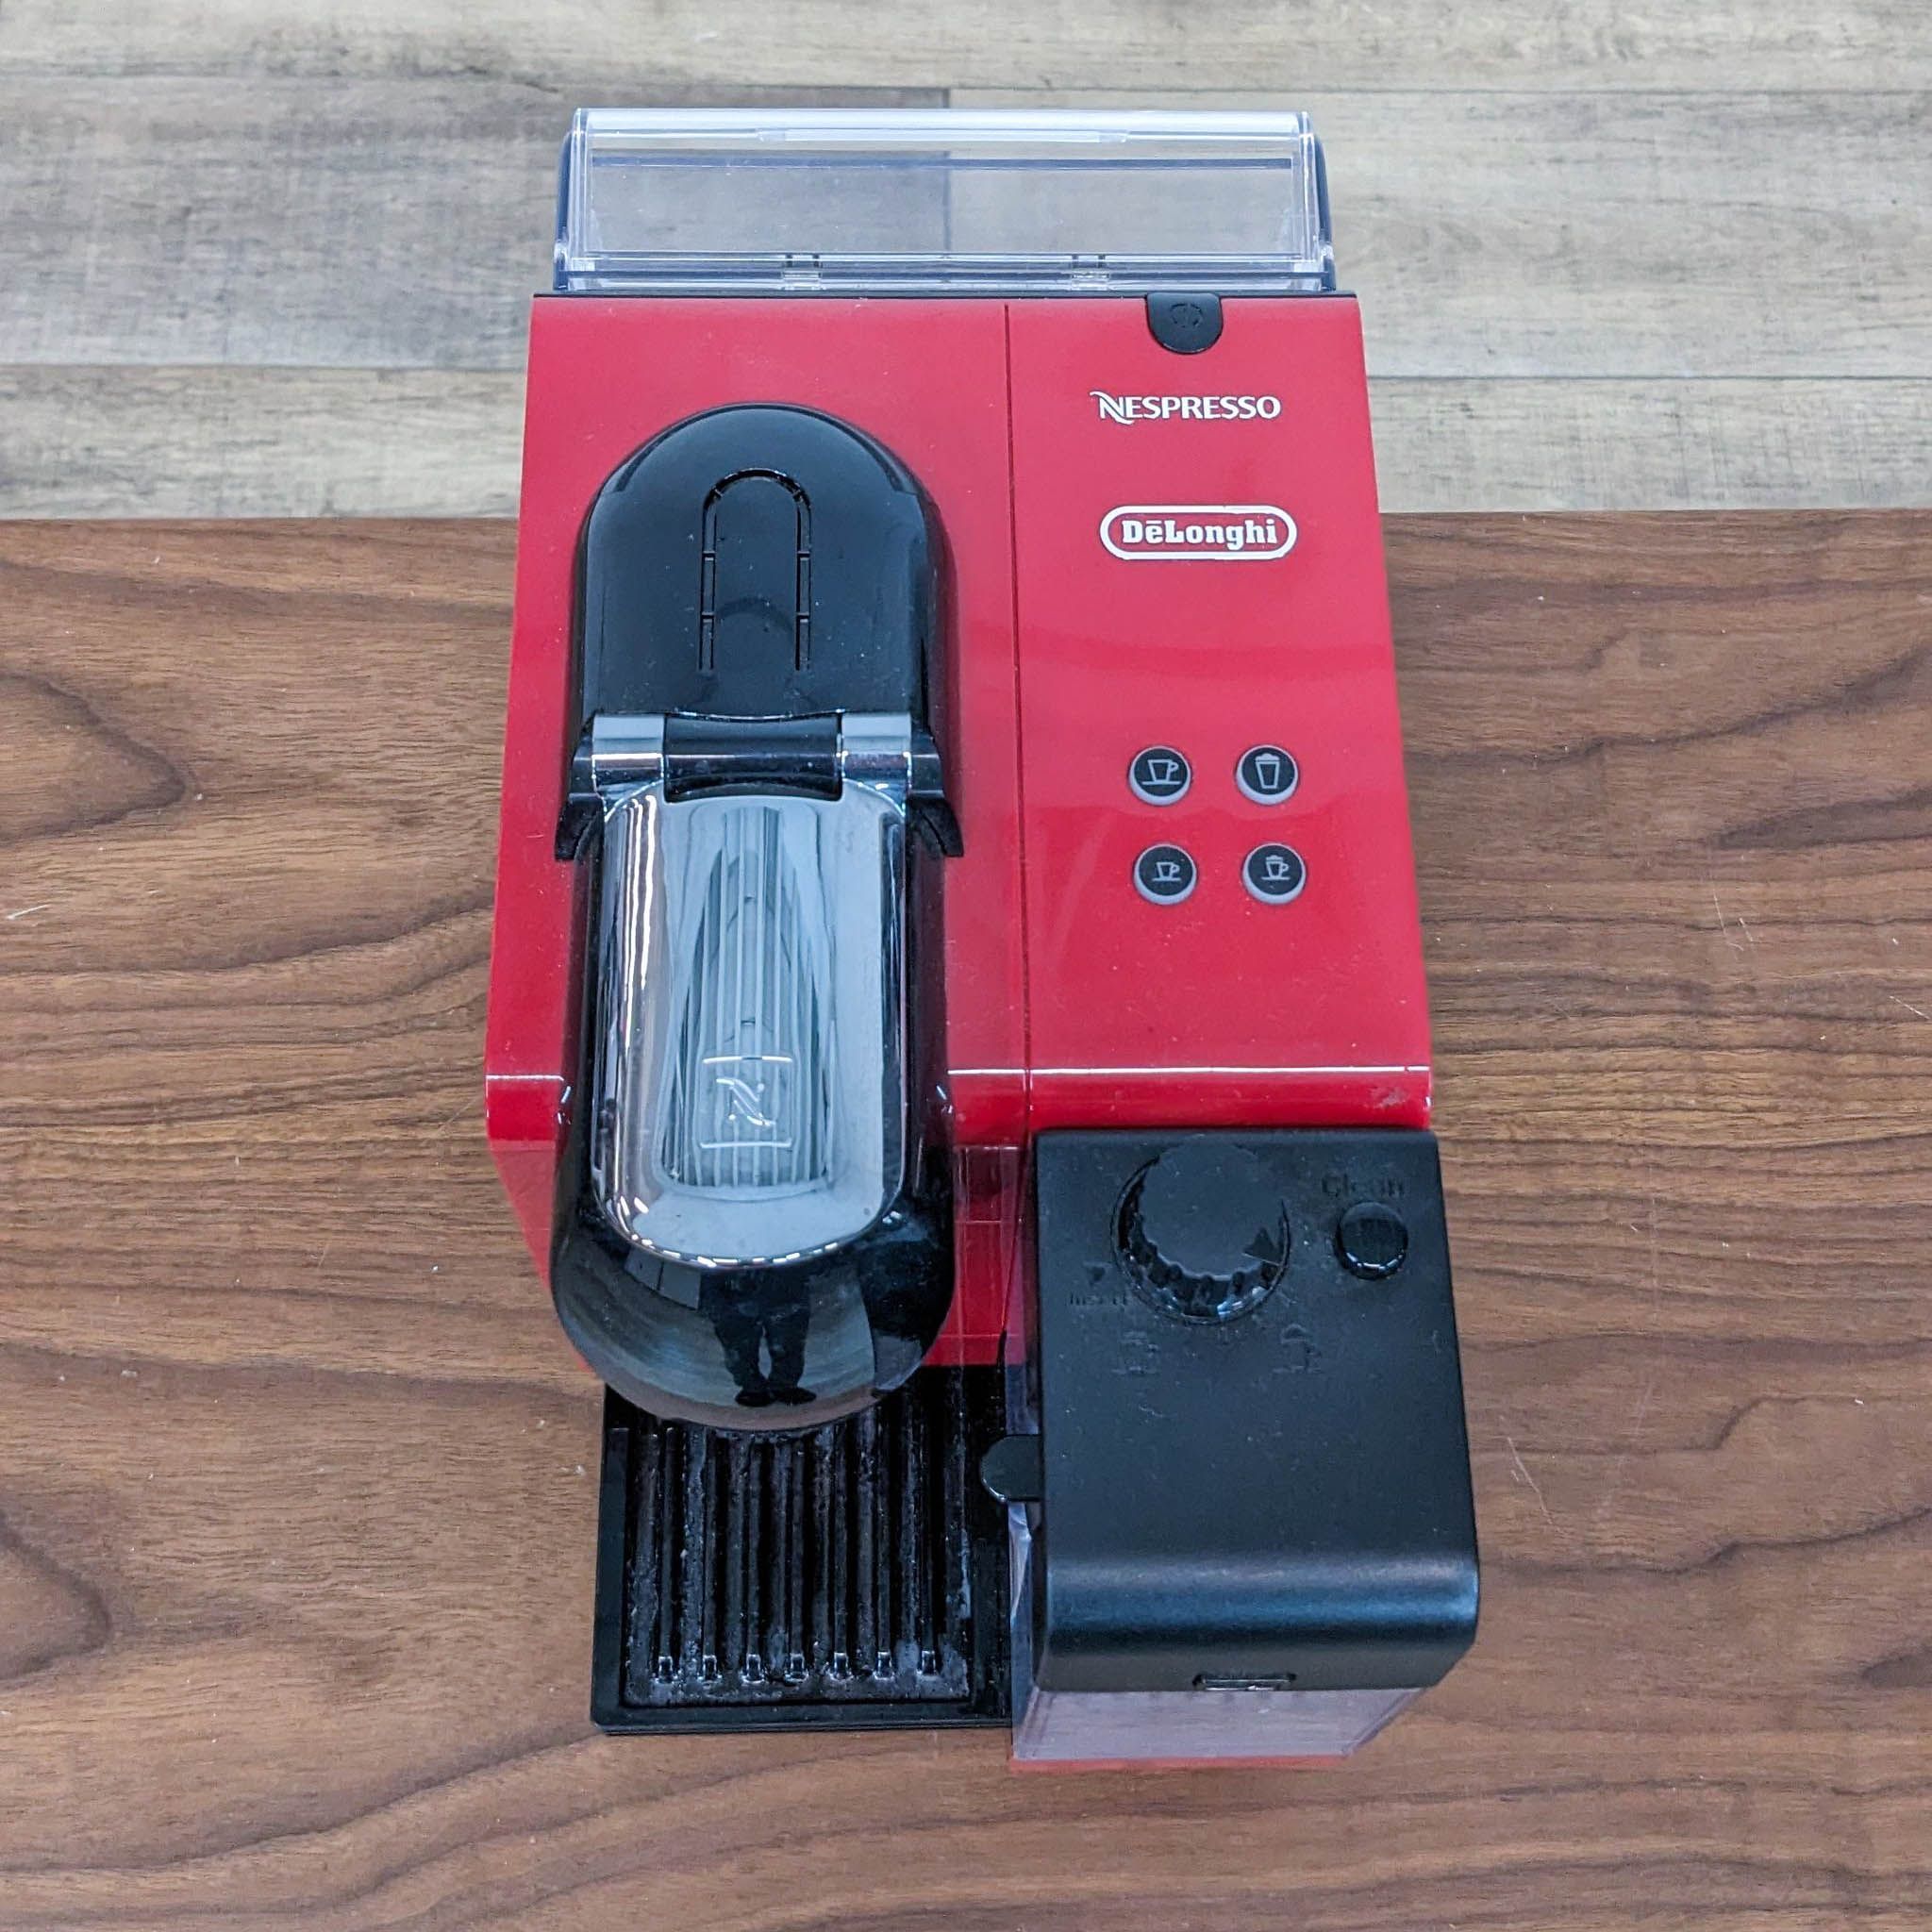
[(1275, 874), (1158, 775), (1165, 875), (1372, 1241), (1266, 773), (1202, 1232)]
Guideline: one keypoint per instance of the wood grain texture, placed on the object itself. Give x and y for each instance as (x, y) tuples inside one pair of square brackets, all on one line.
[(395, 223), (1745, 45), (1584, 443), (1648, 296), (296, 443), (294, 1524), (216, 441), (388, 224)]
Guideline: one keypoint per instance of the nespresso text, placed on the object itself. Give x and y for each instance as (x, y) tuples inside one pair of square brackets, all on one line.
[(1186, 408)]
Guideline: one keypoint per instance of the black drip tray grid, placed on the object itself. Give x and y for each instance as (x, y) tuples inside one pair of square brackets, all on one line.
[(852, 1576)]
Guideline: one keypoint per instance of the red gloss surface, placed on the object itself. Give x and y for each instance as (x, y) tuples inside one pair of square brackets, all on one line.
[(1070, 1001), (1219, 1012)]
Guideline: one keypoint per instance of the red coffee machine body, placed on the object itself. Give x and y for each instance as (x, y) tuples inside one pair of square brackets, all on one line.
[(1156, 971)]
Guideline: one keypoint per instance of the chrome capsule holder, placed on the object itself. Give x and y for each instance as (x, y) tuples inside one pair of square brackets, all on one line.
[(749, 1090)]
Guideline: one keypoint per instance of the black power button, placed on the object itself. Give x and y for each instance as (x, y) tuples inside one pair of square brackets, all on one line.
[(1185, 322)]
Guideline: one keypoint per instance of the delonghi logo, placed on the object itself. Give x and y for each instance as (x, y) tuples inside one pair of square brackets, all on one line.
[(1186, 408), (1197, 532)]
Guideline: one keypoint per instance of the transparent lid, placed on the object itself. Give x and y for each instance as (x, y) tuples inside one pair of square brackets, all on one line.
[(1030, 202)]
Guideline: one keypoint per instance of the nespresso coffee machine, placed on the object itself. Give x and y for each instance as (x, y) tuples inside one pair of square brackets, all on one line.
[(958, 1042)]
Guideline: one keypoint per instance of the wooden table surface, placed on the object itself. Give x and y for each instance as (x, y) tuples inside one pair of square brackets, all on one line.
[(295, 1502), (272, 258)]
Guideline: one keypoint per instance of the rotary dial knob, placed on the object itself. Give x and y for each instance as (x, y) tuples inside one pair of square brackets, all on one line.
[(1203, 1231)]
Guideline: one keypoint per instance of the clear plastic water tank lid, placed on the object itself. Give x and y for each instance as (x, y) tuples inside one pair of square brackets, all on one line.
[(831, 201)]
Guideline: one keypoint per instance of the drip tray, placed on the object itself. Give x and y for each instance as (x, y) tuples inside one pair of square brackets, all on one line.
[(853, 1576)]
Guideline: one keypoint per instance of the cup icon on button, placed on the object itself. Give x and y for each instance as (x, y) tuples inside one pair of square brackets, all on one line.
[(1266, 773), (1164, 875), (1158, 775), (1275, 874)]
